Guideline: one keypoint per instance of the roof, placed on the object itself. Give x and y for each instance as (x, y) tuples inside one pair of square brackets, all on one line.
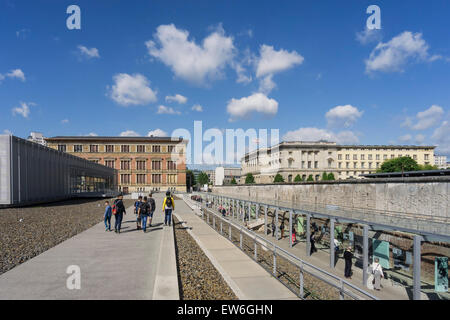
[(115, 139), (421, 173)]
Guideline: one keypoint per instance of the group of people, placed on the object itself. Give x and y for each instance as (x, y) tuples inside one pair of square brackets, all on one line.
[(144, 208)]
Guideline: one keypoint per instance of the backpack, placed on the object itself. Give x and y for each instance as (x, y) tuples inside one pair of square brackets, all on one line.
[(114, 207), (169, 202), (137, 204), (152, 204), (144, 207)]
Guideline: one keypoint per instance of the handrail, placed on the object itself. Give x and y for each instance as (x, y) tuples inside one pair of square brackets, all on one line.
[(299, 262)]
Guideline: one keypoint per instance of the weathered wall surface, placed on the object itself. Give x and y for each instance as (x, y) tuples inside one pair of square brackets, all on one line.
[(413, 196)]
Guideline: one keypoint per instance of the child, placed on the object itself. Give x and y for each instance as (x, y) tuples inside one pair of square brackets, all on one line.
[(107, 216)]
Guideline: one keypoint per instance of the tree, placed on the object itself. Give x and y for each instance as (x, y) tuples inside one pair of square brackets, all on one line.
[(190, 179), (298, 178), (331, 176), (203, 178), (325, 176), (278, 178), (399, 165), (427, 167), (310, 178), (249, 179), (233, 181)]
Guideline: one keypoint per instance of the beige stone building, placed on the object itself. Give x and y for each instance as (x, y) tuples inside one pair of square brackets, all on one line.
[(304, 158), (144, 164)]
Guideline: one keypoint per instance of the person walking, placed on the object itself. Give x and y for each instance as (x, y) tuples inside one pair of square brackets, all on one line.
[(168, 207), (312, 241), (152, 203), (118, 211), (137, 205), (107, 216), (143, 213), (377, 272), (273, 226), (348, 256)]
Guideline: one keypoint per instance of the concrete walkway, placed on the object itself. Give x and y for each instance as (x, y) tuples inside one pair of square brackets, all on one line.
[(129, 265), (246, 278)]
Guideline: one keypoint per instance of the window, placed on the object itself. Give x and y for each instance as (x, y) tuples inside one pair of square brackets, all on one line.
[(347, 165), (140, 149), (339, 156), (94, 161), (125, 164), (378, 165), (347, 157), (109, 148), (426, 157), (62, 147), (109, 163), (385, 157), (125, 148), (140, 165), (377, 157), (415, 157), (316, 164), (370, 165), (339, 165), (156, 178), (125, 178), (362, 157), (172, 178), (303, 164), (171, 165), (369, 157), (140, 178), (355, 164), (156, 165), (156, 149), (93, 148), (78, 148), (309, 164), (355, 157), (363, 164), (392, 156), (170, 149)]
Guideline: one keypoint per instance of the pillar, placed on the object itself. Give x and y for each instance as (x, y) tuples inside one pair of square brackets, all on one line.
[(290, 229), (365, 253), (332, 243), (416, 266), (308, 234)]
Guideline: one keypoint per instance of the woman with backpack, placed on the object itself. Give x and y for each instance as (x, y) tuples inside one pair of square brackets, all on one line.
[(168, 206)]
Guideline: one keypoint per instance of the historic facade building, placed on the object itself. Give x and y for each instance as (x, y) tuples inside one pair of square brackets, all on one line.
[(144, 163), (292, 158)]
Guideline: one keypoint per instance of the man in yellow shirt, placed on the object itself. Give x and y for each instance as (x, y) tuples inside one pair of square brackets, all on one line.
[(167, 207)]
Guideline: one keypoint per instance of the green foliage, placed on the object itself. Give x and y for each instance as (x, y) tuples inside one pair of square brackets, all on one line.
[(233, 181), (203, 178), (298, 178), (278, 178), (324, 176), (427, 167), (249, 179), (310, 178), (399, 165), (331, 176)]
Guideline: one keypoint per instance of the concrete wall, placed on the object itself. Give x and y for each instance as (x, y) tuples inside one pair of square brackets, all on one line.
[(417, 196)]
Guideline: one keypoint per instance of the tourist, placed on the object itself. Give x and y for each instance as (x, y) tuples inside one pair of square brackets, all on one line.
[(273, 226), (282, 227), (152, 203), (294, 235), (348, 256), (312, 241), (107, 216), (168, 206), (137, 205), (377, 272), (143, 212), (118, 211)]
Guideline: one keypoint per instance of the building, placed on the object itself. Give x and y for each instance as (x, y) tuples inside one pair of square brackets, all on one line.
[(37, 137), (224, 176), (441, 162), (144, 164), (292, 158), (212, 176), (31, 173)]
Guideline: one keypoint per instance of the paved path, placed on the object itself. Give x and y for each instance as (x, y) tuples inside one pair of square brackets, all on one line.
[(245, 277), (129, 265)]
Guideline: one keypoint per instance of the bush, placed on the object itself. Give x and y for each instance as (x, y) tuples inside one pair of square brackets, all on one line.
[(310, 178), (324, 176), (249, 179), (399, 165), (233, 181), (298, 178), (278, 178), (331, 176)]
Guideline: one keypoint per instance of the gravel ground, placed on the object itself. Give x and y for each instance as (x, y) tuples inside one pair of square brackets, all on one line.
[(27, 232), (198, 278)]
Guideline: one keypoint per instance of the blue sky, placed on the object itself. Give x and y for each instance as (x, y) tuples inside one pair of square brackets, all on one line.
[(310, 69)]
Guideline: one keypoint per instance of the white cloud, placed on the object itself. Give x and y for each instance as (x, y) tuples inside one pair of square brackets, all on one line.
[(167, 110), (23, 110), (316, 134), (425, 119), (157, 133), (91, 134), (368, 36), (405, 138), (16, 73), (197, 107), (419, 138), (65, 121), (132, 90), (441, 137), (343, 116), (177, 98), (129, 133), (393, 55), (187, 59), (258, 102), (88, 53)]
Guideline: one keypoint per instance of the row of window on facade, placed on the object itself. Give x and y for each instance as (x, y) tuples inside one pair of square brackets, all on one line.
[(142, 179), (378, 156), (140, 164), (93, 148)]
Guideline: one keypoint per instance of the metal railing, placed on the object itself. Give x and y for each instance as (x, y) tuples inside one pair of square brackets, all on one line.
[(345, 288)]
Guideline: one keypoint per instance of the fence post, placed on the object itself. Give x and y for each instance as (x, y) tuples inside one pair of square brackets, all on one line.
[(365, 253), (341, 290), (308, 234), (290, 229), (332, 249), (221, 226), (265, 219), (256, 250), (240, 237), (274, 261), (276, 224), (416, 266), (302, 293), (229, 231)]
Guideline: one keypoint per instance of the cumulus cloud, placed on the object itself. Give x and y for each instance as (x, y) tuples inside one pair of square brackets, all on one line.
[(63, 121), (393, 55), (177, 98), (425, 119), (368, 36), (405, 138), (316, 134), (91, 134), (88, 53), (131, 90), (16, 73), (167, 110), (187, 59), (157, 133), (23, 110), (197, 107), (441, 137), (343, 116), (129, 133), (271, 62), (257, 102)]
